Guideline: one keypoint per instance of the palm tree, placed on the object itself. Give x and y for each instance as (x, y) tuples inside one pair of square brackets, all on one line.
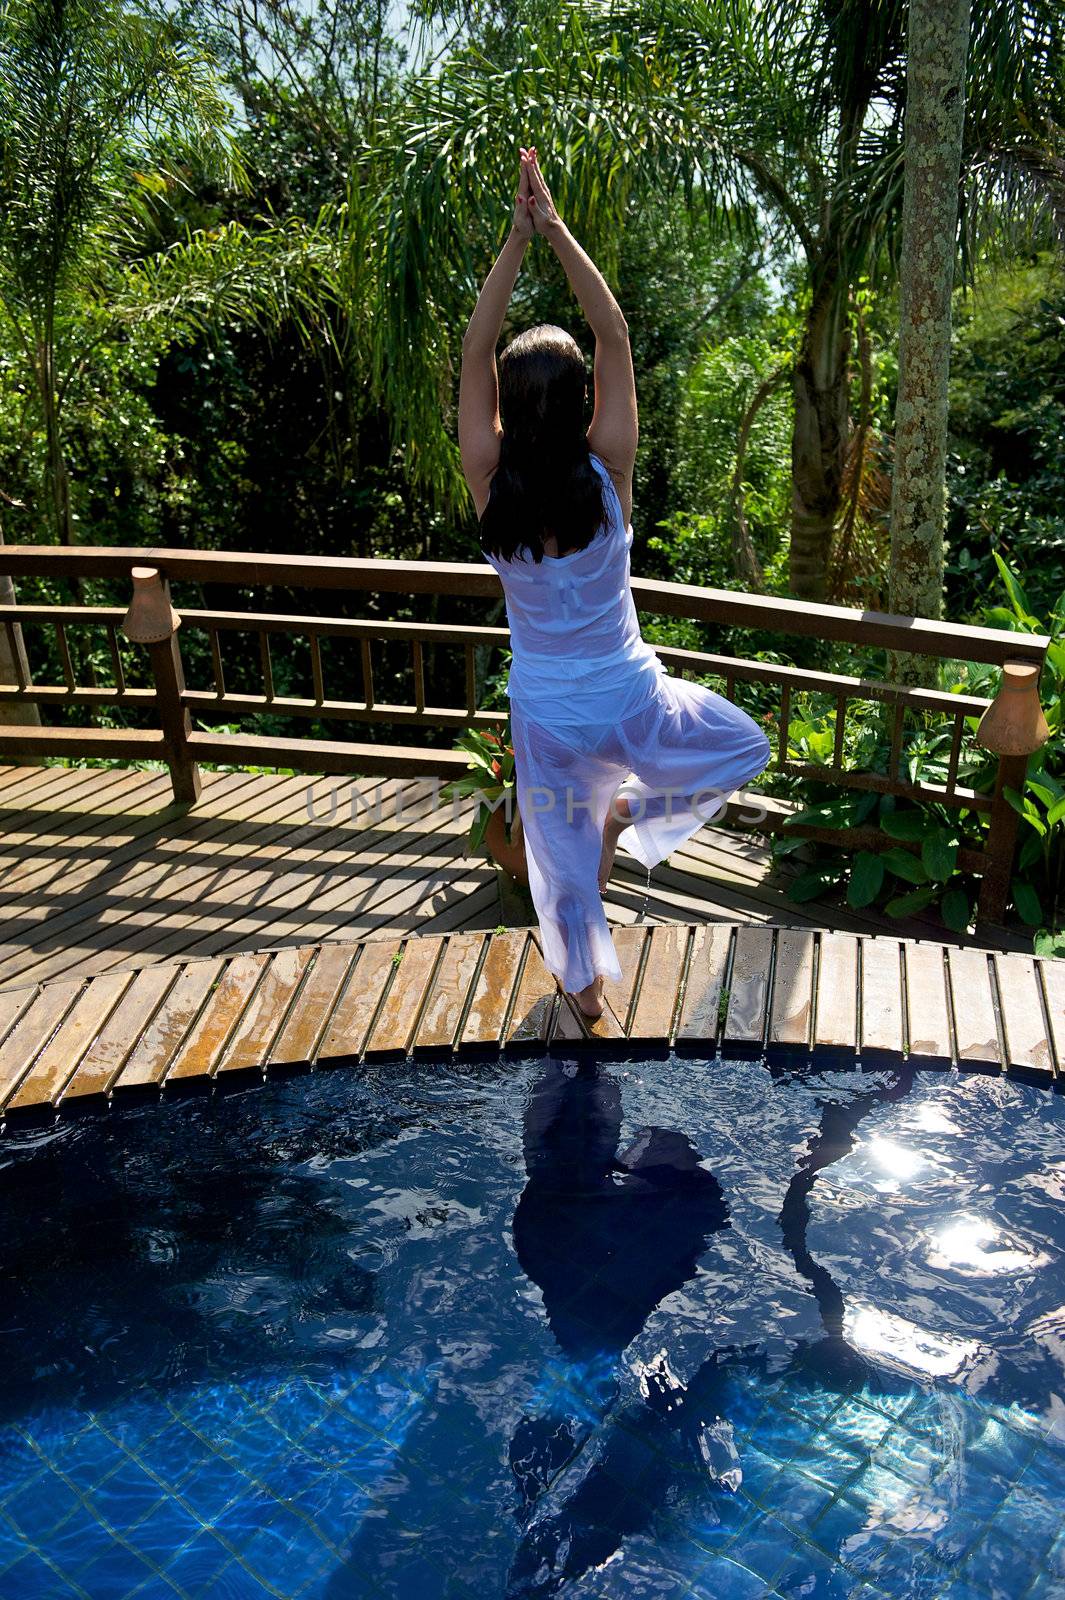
[(90, 92), (786, 116)]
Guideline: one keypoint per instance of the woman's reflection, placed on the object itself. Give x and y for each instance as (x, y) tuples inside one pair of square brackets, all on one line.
[(607, 1237)]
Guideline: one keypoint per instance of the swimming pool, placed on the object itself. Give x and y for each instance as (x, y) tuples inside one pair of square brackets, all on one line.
[(554, 1327)]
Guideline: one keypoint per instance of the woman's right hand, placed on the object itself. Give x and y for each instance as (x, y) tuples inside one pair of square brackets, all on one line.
[(541, 207)]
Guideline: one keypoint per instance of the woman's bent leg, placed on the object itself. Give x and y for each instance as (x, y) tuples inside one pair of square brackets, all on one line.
[(689, 753)]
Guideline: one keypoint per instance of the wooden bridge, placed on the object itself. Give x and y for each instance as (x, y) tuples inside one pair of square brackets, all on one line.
[(791, 995)]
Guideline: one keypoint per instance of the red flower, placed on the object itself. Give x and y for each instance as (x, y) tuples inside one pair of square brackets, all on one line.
[(497, 770)]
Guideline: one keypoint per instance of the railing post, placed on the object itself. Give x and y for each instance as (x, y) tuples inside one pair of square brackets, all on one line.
[(152, 620), (1013, 727)]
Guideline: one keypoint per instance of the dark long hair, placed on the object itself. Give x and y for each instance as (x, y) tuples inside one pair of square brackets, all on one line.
[(545, 481)]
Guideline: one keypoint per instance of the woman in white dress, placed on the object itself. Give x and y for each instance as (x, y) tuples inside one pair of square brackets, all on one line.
[(610, 751)]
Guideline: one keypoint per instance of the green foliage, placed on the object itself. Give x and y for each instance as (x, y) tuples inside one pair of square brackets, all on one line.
[(921, 869), (1006, 468)]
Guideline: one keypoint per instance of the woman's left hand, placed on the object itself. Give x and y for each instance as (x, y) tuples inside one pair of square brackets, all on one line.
[(523, 222)]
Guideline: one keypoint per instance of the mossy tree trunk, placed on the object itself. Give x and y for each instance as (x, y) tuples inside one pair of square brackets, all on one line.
[(937, 44)]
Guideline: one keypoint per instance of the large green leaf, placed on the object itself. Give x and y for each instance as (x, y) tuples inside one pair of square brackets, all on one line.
[(905, 866), (1026, 902), (905, 905), (908, 825), (808, 885), (866, 879), (939, 856), (956, 910)]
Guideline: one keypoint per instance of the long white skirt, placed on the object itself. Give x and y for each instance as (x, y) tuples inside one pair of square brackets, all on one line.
[(677, 762)]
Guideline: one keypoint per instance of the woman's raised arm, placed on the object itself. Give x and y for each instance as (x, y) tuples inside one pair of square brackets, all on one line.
[(605, 317)]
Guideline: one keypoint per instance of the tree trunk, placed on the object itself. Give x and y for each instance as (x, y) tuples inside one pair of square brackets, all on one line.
[(937, 42), (819, 436)]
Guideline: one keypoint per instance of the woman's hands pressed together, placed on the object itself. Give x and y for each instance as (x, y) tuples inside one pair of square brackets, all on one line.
[(534, 197)]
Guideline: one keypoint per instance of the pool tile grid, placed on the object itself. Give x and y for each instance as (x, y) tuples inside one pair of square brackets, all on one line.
[(195, 1521), (775, 993)]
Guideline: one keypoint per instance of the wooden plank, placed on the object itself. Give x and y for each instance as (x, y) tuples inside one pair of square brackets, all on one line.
[(657, 998), (59, 1059), (629, 944), (494, 987), (836, 1022), (32, 1031), (534, 1003), (250, 1045), (881, 972), (974, 1012), (1053, 976), (443, 1010), (393, 1032), (1027, 1045), (313, 1006), (928, 1026), (203, 1045), (106, 1055), (706, 975), (351, 1020), (793, 990), (748, 992), (161, 1039)]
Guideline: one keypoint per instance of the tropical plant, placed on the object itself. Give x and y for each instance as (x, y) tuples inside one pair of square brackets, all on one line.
[(920, 870), (100, 103), (491, 777)]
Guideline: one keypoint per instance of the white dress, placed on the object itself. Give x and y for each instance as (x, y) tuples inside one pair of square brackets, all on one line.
[(595, 714)]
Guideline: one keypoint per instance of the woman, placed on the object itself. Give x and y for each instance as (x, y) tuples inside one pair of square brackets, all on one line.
[(610, 750)]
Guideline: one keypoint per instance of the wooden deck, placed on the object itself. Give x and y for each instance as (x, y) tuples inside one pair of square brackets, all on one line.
[(746, 991), (100, 873)]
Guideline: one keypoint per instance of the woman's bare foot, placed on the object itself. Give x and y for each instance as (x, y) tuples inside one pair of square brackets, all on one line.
[(618, 818), (590, 1000)]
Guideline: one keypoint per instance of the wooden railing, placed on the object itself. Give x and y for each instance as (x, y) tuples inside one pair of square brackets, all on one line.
[(172, 703)]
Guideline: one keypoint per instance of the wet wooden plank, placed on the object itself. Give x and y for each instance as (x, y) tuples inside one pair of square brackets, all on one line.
[(1027, 1045), (161, 1039), (205, 1042), (250, 1045), (494, 987), (928, 1027), (793, 990), (748, 992), (629, 943), (59, 1059), (313, 1005), (439, 1025), (836, 1022), (534, 1003), (355, 1010), (108, 1052), (32, 1030), (700, 1008), (1053, 977), (657, 997), (974, 1012), (393, 1032), (881, 970)]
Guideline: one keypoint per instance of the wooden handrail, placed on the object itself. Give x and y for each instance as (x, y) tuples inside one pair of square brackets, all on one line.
[(249, 569)]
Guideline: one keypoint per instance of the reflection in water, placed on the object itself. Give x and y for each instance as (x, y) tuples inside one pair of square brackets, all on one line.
[(606, 1238)]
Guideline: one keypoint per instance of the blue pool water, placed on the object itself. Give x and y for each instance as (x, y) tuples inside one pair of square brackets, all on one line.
[(666, 1329)]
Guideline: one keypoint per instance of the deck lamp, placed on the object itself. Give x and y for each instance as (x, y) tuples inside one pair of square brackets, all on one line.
[(150, 618), (1014, 724)]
